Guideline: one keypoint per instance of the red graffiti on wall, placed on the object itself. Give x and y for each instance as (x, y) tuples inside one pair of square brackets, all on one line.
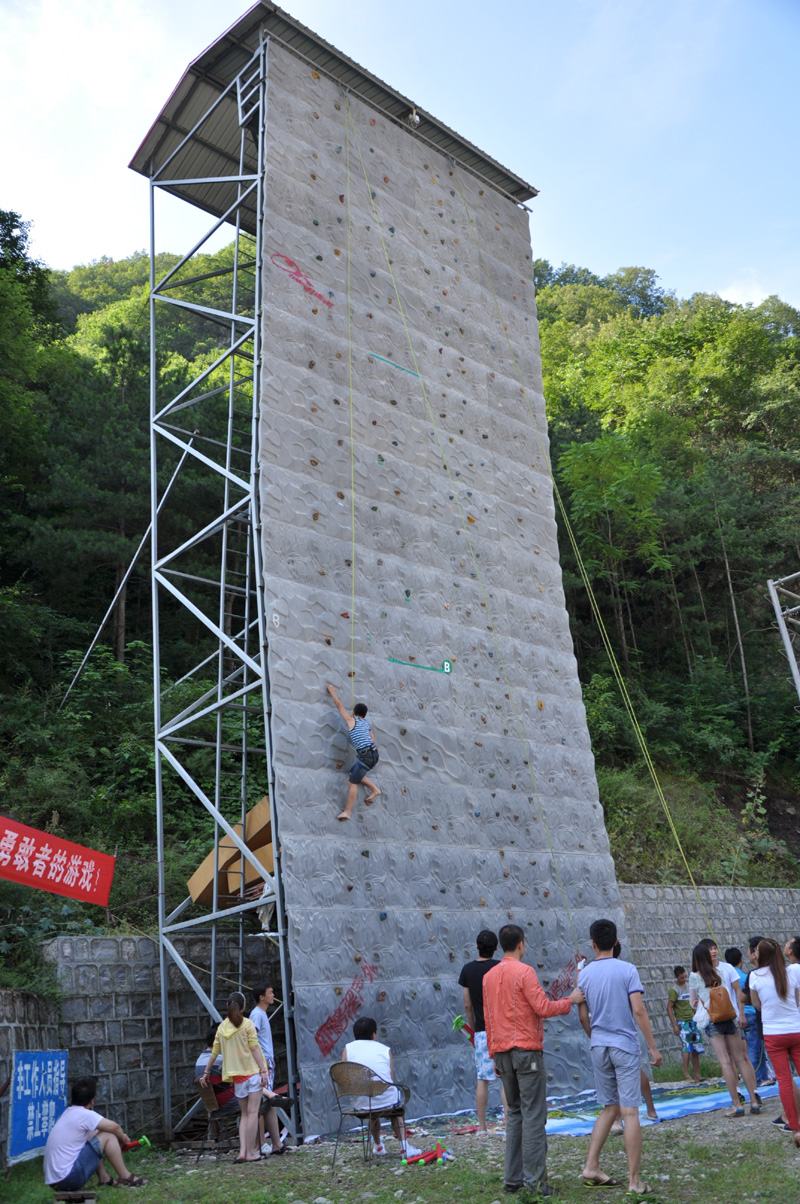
[(296, 273), (565, 981), (331, 1029)]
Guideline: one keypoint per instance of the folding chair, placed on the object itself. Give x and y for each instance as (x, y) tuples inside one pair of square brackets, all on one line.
[(217, 1117), (351, 1079)]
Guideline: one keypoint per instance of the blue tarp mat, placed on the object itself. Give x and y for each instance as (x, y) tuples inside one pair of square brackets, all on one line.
[(670, 1103)]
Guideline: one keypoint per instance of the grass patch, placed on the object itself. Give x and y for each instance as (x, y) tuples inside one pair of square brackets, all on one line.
[(682, 1161)]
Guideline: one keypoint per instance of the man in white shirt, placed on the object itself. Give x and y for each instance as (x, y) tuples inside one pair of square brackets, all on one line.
[(368, 1051), (265, 999), (79, 1141)]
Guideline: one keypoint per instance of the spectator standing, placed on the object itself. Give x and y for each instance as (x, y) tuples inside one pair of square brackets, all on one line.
[(731, 1053), (791, 950), (264, 999), (681, 1018), (243, 1064), (471, 980), (515, 1007), (775, 991), (614, 998)]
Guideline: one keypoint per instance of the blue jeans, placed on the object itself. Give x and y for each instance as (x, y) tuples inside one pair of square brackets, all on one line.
[(755, 1049)]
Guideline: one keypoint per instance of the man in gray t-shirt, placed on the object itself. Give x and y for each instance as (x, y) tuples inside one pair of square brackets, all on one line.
[(614, 1002)]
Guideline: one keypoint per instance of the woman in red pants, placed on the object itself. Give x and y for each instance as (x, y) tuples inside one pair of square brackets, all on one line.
[(775, 992)]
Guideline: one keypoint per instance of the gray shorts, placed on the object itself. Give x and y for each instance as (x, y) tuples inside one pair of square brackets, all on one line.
[(617, 1076)]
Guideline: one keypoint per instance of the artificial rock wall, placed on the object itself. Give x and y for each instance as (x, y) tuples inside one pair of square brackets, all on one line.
[(401, 355)]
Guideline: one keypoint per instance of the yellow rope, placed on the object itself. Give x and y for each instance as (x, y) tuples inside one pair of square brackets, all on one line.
[(499, 661), (618, 675), (350, 410)]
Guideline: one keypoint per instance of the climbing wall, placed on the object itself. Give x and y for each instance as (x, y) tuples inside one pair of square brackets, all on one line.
[(410, 557)]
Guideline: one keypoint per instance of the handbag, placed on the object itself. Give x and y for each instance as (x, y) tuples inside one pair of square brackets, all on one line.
[(719, 1006)]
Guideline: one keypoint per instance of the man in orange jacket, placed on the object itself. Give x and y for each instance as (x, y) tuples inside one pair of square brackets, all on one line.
[(515, 1007)]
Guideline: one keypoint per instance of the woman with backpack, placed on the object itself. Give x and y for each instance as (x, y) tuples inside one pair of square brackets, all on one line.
[(715, 1001), (243, 1064), (775, 992)]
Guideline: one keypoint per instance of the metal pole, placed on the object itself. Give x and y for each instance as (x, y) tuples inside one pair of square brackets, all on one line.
[(791, 656), (154, 508)]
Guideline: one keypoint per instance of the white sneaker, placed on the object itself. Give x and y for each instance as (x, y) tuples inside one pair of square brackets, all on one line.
[(379, 1149), (411, 1151)]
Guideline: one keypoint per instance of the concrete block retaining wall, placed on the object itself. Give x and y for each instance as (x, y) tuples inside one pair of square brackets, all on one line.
[(664, 923), (26, 1022)]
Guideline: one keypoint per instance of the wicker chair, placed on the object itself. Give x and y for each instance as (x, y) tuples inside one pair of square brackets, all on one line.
[(350, 1080)]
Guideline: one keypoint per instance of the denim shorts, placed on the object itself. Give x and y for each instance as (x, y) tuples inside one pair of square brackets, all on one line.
[(362, 767), (617, 1076), (723, 1028), (83, 1167)]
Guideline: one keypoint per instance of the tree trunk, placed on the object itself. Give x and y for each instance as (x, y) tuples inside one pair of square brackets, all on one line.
[(745, 681), (676, 600), (703, 608), (623, 642), (119, 616)]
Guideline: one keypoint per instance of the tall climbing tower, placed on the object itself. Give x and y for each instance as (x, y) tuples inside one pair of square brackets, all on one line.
[(406, 551)]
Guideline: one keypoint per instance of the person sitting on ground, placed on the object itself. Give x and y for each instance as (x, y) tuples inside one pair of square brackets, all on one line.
[(471, 979), (729, 1049), (366, 750), (242, 1064), (681, 1018), (614, 999), (224, 1092), (264, 999), (79, 1141), (366, 1050)]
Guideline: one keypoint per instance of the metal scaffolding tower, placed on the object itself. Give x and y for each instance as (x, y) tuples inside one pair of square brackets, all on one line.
[(785, 595), (212, 725)]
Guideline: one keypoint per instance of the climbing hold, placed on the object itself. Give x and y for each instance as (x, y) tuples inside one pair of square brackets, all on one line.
[(315, 515), (372, 121), (345, 614), (539, 704), (315, 75), (381, 915)]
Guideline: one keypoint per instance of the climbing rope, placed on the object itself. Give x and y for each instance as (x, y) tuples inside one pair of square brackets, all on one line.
[(351, 418)]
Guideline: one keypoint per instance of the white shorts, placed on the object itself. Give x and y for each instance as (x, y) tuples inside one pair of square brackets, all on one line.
[(484, 1066), (247, 1087)]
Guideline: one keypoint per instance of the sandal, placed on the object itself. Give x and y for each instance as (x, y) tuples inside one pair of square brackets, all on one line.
[(131, 1181), (597, 1181), (636, 1193), (732, 1112)]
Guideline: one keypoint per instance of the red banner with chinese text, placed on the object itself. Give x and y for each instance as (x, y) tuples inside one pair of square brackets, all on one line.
[(51, 863)]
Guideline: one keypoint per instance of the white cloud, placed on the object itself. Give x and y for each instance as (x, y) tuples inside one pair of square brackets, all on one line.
[(744, 292)]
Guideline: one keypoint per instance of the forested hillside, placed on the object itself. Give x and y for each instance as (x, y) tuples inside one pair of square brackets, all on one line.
[(675, 446)]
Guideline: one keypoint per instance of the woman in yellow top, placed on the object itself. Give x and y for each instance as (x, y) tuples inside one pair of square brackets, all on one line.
[(243, 1064)]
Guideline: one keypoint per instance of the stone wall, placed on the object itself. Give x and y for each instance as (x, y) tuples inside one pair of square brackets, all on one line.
[(111, 1017), (26, 1022), (664, 923)]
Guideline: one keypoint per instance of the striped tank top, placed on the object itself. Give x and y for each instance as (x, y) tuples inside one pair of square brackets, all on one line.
[(359, 735)]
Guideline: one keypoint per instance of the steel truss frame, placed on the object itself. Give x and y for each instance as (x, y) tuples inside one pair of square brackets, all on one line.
[(785, 595), (226, 602)]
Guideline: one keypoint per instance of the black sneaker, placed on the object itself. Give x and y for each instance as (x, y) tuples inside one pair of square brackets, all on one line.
[(779, 1120), (511, 1188)]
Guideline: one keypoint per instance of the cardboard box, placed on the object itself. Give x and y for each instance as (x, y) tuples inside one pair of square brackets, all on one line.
[(258, 834)]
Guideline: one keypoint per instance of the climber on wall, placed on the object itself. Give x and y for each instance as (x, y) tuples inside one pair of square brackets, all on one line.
[(366, 750)]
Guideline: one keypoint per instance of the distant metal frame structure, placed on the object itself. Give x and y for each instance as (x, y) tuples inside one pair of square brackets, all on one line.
[(235, 613), (786, 604)]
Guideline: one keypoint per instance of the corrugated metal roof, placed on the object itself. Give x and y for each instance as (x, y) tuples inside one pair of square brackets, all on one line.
[(214, 150)]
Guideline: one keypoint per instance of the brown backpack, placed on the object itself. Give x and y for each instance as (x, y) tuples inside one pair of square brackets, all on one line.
[(719, 1006)]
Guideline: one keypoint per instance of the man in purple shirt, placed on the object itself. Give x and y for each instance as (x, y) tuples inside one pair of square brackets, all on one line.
[(613, 1009)]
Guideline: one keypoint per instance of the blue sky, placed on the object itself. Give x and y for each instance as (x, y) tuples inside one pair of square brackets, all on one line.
[(659, 134)]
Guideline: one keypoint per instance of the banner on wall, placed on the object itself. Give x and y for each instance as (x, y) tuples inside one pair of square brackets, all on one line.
[(38, 1095), (47, 862)]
